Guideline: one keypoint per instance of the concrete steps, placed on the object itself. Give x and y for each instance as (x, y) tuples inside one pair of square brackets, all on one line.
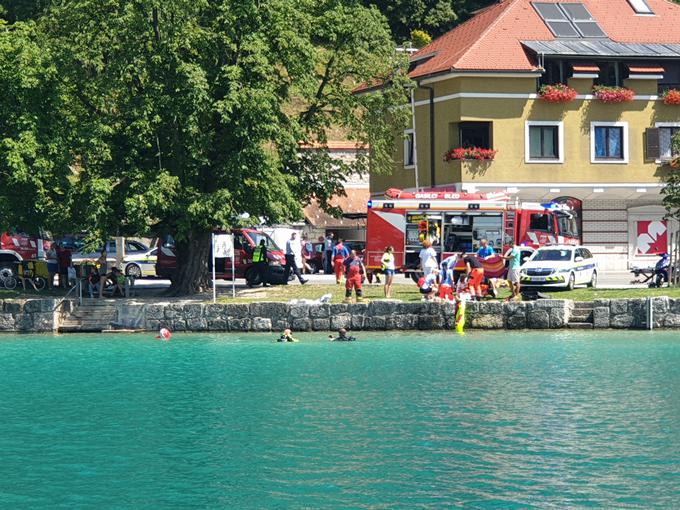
[(94, 315), (581, 316)]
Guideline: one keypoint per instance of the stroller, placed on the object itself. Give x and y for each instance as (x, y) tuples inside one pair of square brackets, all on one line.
[(661, 271)]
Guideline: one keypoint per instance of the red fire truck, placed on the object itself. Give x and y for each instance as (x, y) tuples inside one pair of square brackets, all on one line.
[(15, 247), (455, 222)]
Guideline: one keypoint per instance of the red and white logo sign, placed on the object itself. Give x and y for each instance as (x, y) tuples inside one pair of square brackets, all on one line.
[(652, 237)]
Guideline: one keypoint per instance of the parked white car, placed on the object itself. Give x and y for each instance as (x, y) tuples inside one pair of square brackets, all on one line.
[(560, 267), (141, 265)]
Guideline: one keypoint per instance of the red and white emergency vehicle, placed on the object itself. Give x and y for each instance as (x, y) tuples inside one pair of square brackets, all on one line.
[(455, 222), (15, 247)]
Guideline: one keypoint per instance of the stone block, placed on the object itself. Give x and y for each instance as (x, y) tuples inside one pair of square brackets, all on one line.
[(410, 308), (299, 311), (447, 309), (321, 324), (382, 308), (485, 321), (338, 309), (301, 324), (343, 320), (179, 325), (280, 324), (218, 324), (358, 308), (515, 308), (23, 322), (357, 322), (550, 303), (193, 311), (559, 315), (490, 307), (601, 303), (33, 306), (601, 317), (618, 306), (261, 324), (431, 322), (622, 321), (239, 324), (237, 310), (674, 305), (43, 322), (538, 318), (153, 325), (517, 321), (271, 310), (154, 312), (173, 312), (320, 311), (660, 305), (6, 322), (374, 323), (404, 322), (197, 324), (13, 306), (215, 311), (671, 320)]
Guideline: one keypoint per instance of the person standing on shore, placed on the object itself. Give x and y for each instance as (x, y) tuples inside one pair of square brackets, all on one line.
[(428, 258), (388, 268), (65, 261), (52, 265), (261, 262), (292, 256), (515, 258), (355, 271), (102, 267), (328, 254), (485, 251), (340, 253), (475, 273)]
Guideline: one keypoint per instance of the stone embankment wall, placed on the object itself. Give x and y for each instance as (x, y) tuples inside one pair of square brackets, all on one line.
[(37, 315), (32, 315)]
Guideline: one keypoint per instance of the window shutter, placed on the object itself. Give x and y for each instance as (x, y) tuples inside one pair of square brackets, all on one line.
[(652, 146)]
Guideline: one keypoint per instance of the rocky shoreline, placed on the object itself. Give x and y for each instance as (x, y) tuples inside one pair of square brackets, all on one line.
[(39, 315)]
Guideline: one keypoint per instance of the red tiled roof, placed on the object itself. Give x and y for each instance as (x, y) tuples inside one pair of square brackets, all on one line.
[(585, 68), (354, 203), (645, 69), (491, 40)]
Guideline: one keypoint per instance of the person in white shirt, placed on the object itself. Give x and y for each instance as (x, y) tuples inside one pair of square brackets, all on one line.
[(428, 258), (388, 268), (293, 254)]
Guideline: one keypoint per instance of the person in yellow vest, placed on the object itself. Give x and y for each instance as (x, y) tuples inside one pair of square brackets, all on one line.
[(261, 262)]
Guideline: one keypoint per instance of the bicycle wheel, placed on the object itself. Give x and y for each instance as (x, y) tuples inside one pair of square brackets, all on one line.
[(10, 282), (39, 282)]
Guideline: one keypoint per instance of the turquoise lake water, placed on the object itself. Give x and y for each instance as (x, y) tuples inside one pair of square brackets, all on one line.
[(498, 420)]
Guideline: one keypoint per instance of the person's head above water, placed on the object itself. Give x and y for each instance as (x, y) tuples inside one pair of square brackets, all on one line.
[(287, 332), (342, 332)]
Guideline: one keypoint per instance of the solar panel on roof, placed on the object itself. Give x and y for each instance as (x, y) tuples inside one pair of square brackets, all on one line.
[(548, 11), (577, 12), (562, 28), (589, 29)]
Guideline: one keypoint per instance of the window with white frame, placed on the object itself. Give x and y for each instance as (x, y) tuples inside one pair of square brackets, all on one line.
[(544, 142), (409, 149), (666, 133), (609, 142)]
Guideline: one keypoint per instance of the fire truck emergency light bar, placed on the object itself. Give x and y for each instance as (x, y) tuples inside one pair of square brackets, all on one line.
[(439, 205)]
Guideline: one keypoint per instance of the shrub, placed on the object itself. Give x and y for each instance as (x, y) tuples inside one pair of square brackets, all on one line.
[(557, 93), (613, 94), (470, 153), (420, 38)]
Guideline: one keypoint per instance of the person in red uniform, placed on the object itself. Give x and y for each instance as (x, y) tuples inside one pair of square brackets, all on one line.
[(355, 271), (475, 274), (340, 253)]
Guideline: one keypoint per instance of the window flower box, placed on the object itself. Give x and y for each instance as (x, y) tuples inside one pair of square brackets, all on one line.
[(613, 94), (671, 97), (470, 153), (557, 93)]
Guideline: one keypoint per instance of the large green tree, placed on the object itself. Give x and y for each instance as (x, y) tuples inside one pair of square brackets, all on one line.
[(671, 190), (180, 115), (433, 16)]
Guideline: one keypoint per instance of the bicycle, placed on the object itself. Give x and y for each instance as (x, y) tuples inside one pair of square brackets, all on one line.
[(7, 278)]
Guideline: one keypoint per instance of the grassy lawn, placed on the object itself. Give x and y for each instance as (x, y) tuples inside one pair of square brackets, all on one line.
[(410, 293)]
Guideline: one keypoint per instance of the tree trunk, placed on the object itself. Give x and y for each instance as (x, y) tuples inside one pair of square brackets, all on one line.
[(193, 273)]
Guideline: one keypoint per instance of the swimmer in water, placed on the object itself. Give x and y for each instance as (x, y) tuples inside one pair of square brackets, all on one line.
[(287, 336), (342, 336)]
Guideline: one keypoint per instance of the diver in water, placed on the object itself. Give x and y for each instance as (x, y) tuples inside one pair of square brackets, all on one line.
[(342, 336), (287, 336)]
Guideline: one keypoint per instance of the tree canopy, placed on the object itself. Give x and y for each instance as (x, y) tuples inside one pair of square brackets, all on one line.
[(150, 116)]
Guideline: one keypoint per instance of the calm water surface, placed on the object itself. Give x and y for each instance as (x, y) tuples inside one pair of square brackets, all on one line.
[(503, 420)]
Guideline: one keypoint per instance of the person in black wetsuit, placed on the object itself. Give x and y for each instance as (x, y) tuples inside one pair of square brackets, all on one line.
[(342, 336)]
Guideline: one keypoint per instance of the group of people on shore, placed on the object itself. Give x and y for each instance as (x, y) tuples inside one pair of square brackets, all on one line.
[(100, 278), (441, 281)]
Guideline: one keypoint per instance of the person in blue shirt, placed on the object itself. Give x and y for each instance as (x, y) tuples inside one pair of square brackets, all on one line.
[(485, 251)]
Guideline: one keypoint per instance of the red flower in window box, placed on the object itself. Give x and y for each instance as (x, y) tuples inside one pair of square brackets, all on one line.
[(470, 153), (558, 93), (671, 96), (613, 94)]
